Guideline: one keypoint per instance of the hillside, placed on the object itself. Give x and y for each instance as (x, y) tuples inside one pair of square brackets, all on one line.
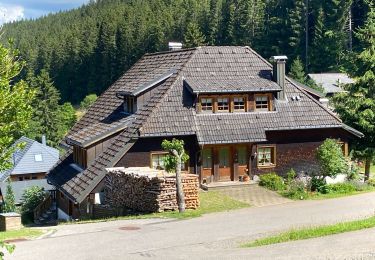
[(88, 48)]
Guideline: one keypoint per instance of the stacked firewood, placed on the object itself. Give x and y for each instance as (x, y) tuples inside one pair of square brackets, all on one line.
[(147, 190)]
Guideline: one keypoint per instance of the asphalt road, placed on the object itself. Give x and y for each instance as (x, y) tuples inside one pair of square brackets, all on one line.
[(214, 236)]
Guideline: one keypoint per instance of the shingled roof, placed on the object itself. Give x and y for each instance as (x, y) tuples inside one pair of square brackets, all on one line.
[(171, 111)]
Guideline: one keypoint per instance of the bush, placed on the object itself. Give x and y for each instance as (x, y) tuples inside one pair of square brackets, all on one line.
[(341, 188), (371, 182), (318, 185), (331, 159), (296, 190), (290, 176), (31, 198), (361, 186), (88, 101), (271, 181)]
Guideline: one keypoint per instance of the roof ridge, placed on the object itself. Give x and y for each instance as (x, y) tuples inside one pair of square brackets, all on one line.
[(170, 52)]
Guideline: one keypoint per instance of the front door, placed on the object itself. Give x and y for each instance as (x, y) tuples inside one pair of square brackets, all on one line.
[(225, 169)]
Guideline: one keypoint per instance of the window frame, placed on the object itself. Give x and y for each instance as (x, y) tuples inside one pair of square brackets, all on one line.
[(212, 105), (234, 110), (184, 166), (268, 108), (228, 104), (272, 159)]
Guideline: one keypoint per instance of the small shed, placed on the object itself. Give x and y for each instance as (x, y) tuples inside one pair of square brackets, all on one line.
[(10, 221)]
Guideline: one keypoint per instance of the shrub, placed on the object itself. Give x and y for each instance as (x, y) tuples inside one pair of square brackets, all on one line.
[(31, 198), (271, 181), (88, 101), (296, 190), (341, 188), (290, 176), (319, 185), (361, 186), (331, 159), (371, 182)]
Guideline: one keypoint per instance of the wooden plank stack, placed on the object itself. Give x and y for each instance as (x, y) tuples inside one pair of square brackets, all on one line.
[(147, 190)]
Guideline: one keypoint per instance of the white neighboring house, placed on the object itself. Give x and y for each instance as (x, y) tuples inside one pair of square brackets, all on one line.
[(331, 82), (30, 166)]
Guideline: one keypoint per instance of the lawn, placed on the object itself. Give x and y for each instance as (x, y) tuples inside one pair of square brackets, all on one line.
[(19, 234), (210, 202), (313, 232)]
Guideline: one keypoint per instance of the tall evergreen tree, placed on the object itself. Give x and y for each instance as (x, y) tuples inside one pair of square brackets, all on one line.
[(45, 119), (357, 106), (9, 199), (193, 36), (297, 72)]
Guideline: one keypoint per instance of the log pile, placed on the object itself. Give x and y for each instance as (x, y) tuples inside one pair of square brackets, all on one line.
[(146, 190)]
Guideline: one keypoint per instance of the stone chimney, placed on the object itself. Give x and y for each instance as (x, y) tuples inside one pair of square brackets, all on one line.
[(173, 46), (44, 141), (279, 74)]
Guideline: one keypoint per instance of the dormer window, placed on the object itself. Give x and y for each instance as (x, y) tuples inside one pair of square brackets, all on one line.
[(261, 103), (239, 104), (223, 104), (130, 104), (207, 104)]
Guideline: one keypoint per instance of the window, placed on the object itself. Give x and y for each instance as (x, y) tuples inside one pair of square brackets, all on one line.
[(206, 104), (239, 104), (207, 158), (34, 177), (242, 155), (261, 103), (223, 104), (157, 161), (130, 104), (266, 156), (38, 157), (20, 178)]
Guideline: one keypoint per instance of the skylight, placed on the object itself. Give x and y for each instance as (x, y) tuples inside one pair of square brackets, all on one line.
[(38, 157)]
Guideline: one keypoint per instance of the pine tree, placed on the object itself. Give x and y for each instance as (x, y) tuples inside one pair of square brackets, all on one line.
[(45, 119), (9, 199), (297, 72), (193, 36), (357, 106)]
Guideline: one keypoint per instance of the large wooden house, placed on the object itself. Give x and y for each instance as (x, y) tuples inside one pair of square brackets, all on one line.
[(237, 114)]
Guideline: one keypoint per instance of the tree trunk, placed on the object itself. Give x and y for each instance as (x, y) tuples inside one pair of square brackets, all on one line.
[(180, 191), (367, 168)]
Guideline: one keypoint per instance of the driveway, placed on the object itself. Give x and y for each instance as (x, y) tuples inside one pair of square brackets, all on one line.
[(213, 236), (255, 195)]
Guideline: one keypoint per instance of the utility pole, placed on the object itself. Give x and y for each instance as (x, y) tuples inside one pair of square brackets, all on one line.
[(307, 37)]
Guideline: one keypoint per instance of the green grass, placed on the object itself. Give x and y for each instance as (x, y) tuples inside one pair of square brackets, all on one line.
[(313, 232), (320, 196), (209, 202), (22, 233)]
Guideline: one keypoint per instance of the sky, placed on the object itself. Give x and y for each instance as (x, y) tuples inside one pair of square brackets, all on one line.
[(13, 10)]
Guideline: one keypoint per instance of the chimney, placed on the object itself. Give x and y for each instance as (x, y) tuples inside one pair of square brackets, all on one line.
[(44, 141), (279, 74), (173, 46)]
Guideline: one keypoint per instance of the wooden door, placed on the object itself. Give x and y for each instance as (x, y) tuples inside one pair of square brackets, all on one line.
[(242, 159), (207, 163), (225, 169)]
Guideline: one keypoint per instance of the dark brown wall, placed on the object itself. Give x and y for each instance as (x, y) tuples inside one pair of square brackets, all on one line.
[(139, 154), (299, 156)]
